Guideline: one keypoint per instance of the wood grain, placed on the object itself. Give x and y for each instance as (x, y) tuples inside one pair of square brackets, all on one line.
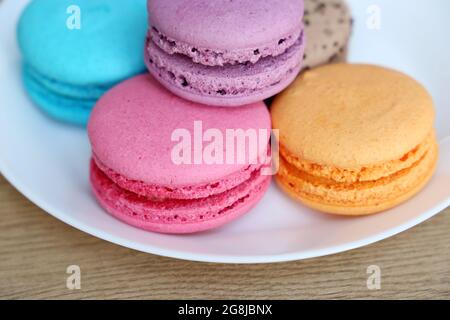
[(35, 250)]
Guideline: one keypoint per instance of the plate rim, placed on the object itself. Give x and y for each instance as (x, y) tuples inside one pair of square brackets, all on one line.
[(11, 176), (224, 259)]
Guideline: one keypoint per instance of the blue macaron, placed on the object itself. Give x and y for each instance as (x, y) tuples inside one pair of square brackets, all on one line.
[(76, 50)]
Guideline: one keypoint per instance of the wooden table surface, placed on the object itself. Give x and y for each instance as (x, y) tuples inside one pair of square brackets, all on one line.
[(36, 249)]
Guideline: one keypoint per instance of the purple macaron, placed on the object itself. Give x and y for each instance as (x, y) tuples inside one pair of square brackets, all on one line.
[(225, 53)]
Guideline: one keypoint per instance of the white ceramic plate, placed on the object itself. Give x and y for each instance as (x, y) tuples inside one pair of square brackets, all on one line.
[(48, 161)]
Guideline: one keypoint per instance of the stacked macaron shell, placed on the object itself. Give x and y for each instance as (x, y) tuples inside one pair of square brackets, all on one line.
[(135, 173), (354, 139), (76, 50), (232, 54)]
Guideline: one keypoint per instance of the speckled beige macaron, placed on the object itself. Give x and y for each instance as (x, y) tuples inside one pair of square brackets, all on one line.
[(354, 139), (328, 25)]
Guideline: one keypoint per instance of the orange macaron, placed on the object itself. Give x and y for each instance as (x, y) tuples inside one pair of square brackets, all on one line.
[(354, 139)]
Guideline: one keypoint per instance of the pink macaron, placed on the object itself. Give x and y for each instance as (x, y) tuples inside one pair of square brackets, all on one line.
[(168, 165), (229, 53)]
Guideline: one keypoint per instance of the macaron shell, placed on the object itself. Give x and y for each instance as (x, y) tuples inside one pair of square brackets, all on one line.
[(230, 25), (328, 26), (231, 85), (100, 51), (365, 173), (66, 89), (373, 114), (59, 107), (363, 199), (209, 57), (236, 101), (131, 130), (197, 191), (178, 217)]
